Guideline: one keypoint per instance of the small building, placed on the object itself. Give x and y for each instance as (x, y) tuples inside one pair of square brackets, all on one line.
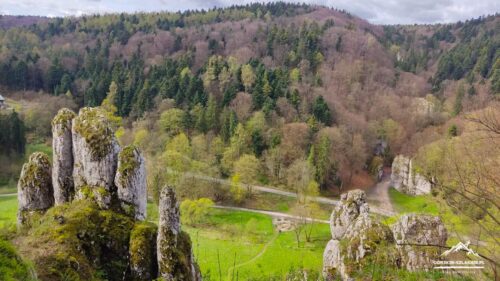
[(2, 102)]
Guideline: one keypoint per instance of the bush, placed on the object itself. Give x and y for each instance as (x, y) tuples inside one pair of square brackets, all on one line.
[(195, 211)]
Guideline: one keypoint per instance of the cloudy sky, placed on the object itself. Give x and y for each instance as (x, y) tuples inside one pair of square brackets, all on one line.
[(376, 11)]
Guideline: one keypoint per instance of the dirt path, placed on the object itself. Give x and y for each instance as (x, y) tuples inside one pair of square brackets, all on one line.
[(378, 195), (262, 252)]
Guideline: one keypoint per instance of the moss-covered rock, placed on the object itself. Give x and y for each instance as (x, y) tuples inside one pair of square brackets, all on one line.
[(143, 261), (35, 192), (95, 153), (94, 127), (80, 240)]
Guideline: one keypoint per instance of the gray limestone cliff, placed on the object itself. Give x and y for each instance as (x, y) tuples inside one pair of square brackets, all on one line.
[(34, 189), (130, 181), (405, 180), (62, 147)]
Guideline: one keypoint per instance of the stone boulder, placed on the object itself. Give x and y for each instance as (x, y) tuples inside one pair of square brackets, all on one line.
[(95, 153), (130, 181), (175, 258), (419, 239), (34, 189), (405, 180), (62, 147)]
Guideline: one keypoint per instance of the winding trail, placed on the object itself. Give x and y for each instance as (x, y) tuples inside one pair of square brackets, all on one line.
[(262, 252), (273, 190)]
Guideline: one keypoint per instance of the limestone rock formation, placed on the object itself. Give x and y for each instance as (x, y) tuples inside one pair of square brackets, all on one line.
[(34, 189), (175, 259), (95, 153), (405, 180), (346, 212), (413, 235), (99, 229), (130, 181), (354, 234), (62, 147)]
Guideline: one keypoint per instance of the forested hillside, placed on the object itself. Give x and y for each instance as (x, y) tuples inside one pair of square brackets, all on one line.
[(306, 99)]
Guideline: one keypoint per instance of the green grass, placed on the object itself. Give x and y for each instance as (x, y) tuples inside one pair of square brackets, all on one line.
[(404, 203), (8, 210), (234, 237)]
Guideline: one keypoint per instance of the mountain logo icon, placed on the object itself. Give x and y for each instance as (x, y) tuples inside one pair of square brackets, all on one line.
[(461, 247)]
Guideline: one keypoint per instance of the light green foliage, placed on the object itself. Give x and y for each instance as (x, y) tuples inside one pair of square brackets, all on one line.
[(247, 167), (171, 120), (237, 191), (110, 109), (195, 211), (247, 76), (295, 75)]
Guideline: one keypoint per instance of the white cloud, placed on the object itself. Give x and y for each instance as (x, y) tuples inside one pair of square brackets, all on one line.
[(375, 11)]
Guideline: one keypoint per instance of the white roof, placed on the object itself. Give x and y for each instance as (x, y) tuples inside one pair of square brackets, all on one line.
[(1, 98)]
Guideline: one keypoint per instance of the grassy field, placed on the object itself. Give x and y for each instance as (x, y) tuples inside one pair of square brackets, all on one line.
[(244, 241), (8, 210)]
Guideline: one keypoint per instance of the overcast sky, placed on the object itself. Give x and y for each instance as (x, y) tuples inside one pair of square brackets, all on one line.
[(375, 11)]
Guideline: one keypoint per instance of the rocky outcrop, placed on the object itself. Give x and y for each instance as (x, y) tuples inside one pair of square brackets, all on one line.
[(95, 152), (354, 235), (101, 225), (419, 239), (34, 189), (360, 240), (130, 181), (172, 243), (62, 147), (405, 180)]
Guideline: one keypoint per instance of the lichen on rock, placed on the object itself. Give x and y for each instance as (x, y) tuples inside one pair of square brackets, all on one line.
[(62, 147), (35, 191), (131, 182)]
